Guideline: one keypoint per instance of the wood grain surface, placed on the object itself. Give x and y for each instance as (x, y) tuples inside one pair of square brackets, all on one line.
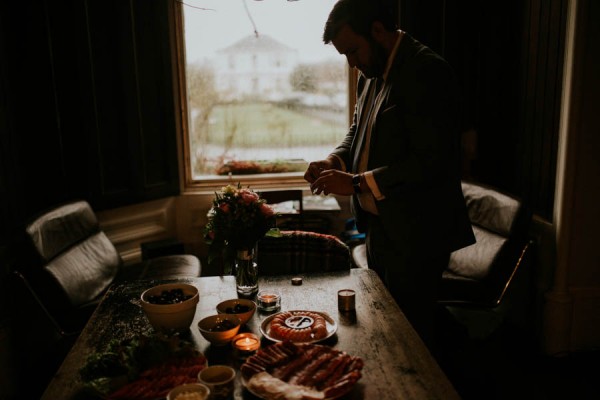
[(397, 363)]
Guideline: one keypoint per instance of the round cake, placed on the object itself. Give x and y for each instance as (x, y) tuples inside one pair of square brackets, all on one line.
[(298, 326)]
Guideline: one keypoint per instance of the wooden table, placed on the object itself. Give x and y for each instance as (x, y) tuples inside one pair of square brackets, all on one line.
[(397, 363)]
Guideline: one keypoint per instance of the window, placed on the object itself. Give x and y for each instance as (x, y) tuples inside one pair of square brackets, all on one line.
[(265, 96)]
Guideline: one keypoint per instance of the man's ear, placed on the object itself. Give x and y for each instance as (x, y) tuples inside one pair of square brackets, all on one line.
[(377, 31)]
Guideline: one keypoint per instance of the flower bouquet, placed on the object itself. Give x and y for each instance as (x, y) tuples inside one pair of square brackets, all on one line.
[(237, 220)]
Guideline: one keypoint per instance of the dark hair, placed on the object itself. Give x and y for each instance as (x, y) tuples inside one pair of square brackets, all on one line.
[(360, 15)]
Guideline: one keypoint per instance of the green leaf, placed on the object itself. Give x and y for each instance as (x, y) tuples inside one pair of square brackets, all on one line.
[(273, 232)]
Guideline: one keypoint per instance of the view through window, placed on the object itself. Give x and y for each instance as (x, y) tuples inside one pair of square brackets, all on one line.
[(265, 94)]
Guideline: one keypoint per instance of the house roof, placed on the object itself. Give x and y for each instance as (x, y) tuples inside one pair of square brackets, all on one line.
[(253, 44)]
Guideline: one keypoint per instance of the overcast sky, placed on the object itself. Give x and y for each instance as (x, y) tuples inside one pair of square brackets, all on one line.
[(213, 24)]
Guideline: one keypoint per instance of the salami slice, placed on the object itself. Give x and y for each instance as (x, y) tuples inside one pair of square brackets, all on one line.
[(325, 372)]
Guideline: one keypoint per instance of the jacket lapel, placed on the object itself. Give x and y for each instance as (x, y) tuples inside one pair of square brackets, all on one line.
[(363, 114), (379, 100)]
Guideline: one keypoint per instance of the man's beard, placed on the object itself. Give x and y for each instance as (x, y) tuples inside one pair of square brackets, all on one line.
[(377, 61)]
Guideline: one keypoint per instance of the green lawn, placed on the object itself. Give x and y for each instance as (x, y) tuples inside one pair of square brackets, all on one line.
[(266, 125)]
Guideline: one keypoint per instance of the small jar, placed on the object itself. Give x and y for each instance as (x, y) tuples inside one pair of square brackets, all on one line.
[(346, 300), (268, 300)]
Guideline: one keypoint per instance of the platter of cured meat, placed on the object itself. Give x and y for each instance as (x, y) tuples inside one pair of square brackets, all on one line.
[(298, 326), (287, 370)]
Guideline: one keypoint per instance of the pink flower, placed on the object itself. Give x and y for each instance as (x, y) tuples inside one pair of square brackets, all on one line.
[(238, 218), (267, 210), (248, 196)]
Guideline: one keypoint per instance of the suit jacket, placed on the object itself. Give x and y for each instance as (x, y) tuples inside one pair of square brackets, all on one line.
[(414, 152)]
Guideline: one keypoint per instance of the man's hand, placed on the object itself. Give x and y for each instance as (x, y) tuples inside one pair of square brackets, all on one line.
[(316, 167), (333, 181)]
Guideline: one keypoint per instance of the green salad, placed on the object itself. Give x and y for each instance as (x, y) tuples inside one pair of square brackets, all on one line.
[(123, 361)]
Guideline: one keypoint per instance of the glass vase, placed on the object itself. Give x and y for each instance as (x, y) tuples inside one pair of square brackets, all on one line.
[(246, 272)]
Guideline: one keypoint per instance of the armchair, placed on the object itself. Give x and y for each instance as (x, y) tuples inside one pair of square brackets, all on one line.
[(301, 252), (480, 276), (72, 263), (292, 216)]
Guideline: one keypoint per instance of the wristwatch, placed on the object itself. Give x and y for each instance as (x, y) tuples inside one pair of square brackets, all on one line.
[(356, 183)]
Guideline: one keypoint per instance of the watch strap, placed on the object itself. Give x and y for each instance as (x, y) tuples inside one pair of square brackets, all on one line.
[(356, 183)]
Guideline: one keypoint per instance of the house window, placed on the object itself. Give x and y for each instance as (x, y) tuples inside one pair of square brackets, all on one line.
[(277, 117)]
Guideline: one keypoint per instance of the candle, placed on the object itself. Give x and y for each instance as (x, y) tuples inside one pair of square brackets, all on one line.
[(245, 344), (269, 300), (346, 300)]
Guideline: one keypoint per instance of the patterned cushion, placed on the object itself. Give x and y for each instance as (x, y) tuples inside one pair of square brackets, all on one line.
[(301, 252)]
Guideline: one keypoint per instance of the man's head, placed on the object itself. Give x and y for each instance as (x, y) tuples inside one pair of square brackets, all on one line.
[(360, 30)]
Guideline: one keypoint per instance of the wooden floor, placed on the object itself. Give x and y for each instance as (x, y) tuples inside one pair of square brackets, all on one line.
[(505, 365)]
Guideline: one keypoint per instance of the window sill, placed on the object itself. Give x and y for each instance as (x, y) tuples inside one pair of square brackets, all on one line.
[(281, 180)]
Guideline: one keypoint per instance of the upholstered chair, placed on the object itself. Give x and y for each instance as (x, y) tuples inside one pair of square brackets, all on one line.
[(481, 274), (72, 263), (479, 277), (302, 252)]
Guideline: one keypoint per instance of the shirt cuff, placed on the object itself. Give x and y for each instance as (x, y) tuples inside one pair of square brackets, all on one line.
[(370, 179)]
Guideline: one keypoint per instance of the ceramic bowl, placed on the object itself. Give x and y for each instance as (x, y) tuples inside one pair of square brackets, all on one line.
[(193, 391), (220, 379), (170, 307), (244, 309), (219, 329)]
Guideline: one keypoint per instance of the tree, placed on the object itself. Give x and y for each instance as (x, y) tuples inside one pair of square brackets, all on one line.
[(303, 78), (202, 99)]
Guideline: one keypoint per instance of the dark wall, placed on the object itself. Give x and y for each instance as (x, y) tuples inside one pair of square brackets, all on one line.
[(508, 56), (87, 105), (86, 111)]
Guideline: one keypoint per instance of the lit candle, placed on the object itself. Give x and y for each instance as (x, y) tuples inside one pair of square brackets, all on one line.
[(246, 344), (268, 300)]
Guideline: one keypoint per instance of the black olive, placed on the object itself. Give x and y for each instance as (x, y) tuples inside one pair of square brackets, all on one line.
[(172, 296)]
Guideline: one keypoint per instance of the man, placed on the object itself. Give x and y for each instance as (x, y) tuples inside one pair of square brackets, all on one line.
[(400, 158)]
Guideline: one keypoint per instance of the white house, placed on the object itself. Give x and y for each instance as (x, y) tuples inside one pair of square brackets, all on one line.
[(256, 66)]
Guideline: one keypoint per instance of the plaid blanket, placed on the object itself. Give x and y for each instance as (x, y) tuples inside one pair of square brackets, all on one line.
[(302, 251)]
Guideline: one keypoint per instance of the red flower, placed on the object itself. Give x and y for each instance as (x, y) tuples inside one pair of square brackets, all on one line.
[(224, 207)]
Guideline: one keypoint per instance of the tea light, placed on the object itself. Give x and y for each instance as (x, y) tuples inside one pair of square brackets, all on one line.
[(346, 299), (245, 344), (268, 300)]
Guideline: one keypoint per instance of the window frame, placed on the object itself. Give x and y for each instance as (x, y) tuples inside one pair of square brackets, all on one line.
[(281, 180)]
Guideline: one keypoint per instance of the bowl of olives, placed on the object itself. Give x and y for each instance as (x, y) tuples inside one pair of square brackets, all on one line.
[(170, 307), (243, 308), (219, 329)]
